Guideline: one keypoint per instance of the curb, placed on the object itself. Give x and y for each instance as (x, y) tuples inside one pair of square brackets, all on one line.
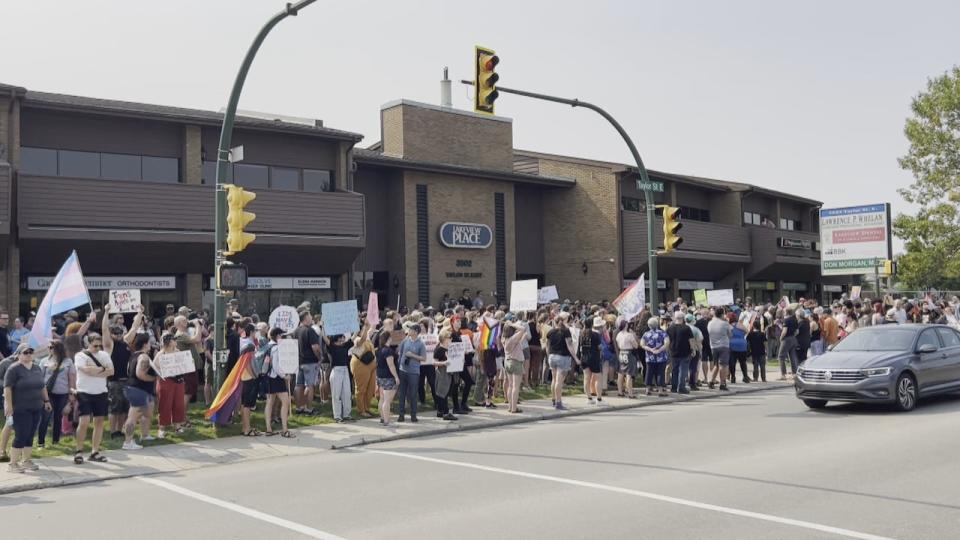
[(536, 417)]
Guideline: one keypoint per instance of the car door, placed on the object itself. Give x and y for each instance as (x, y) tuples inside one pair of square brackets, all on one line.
[(951, 346), (932, 367)]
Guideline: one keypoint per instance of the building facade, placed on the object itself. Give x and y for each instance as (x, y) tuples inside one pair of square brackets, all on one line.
[(442, 205)]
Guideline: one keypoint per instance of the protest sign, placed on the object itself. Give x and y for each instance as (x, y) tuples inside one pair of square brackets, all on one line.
[(575, 336), (173, 364), (430, 341), (124, 300), (700, 297), (720, 297), (340, 317), (523, 295), (373, 310), (455, 357), (467, 344), (784, 302), (632, 300), (547, 294), (855, 292), (285, 318), (288, 356)]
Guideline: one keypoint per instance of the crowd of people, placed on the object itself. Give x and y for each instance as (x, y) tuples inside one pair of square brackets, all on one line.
[(105, 374)]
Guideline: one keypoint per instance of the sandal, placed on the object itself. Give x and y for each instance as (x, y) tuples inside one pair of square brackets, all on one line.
[(97, 458), (78, 458), (287, 434), (269, 433), (252, 433)]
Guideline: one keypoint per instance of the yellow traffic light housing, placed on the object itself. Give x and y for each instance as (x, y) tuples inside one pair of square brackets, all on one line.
[(671, 226), (237, 219), (485, 80), (889, 268)]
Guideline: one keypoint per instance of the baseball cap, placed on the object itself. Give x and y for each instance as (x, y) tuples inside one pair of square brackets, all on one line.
[(690, 318)]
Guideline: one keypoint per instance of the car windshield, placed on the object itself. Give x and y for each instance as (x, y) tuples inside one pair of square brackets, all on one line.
[(877, 340)]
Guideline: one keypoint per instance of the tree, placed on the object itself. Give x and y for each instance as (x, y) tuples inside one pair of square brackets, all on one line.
[(932, 236)]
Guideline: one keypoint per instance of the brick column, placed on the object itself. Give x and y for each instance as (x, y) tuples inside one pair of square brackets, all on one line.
[(191, 162), (10, 281), (193, 291)]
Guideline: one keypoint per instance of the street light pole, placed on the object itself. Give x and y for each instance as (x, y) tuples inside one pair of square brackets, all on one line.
[(647, 194), (223, 156)]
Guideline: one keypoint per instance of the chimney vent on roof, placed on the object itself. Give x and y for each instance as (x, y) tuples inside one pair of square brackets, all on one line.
[(446, 101)]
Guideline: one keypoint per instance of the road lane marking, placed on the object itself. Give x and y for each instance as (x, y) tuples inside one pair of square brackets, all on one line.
[(644, 494), (249, 512)]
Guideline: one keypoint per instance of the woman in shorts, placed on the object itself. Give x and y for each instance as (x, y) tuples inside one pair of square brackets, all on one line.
[(140, 393), (277, 388), (387, 377), (627, 346), (513, 336)]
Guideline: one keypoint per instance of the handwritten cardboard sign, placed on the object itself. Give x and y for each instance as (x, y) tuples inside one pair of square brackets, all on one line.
[(547, 294), (430, 341), (340, 317), (288, 356), (720, 297), (172, 364), (285, 318), (523, 295), (455, 357), (124, 300)]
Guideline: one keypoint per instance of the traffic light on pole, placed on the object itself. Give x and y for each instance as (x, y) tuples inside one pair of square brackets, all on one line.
[(485, 80), (889, 268), (671, 226), (237, 220)]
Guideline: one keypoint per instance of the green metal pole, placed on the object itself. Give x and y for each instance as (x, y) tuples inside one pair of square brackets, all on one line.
[(223, 158), (647, 194)]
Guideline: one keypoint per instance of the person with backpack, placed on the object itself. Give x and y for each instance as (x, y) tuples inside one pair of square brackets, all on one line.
[(249, 379), (59, 376), (611, 365), (277, 388), (140, 392), (591, 360)]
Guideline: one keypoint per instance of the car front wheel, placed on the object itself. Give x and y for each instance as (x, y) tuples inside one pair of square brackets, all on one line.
[(906, 393), (815, 403)]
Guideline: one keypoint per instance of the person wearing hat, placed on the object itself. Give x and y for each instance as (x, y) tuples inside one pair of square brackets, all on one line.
[(25, 396)]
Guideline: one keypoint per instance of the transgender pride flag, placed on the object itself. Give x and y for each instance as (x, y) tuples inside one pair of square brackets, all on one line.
[(67, 291)]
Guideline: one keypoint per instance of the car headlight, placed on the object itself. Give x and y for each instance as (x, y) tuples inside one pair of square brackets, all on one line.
[(876, 372), (800, 370)]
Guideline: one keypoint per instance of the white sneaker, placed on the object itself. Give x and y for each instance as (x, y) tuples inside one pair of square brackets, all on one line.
[(131, 445), (14, 468), (160, 435), (29, 465), (148, 438)]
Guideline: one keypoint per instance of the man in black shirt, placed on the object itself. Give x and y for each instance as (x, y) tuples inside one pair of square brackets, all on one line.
[(788, 344), (309, 370), (706, 356), (680, 350)]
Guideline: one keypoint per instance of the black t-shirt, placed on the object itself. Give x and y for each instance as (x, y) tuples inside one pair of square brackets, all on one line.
[(233, 346), (680, 336), (757, 343), (803, 332), (590, 345), (702, 326), (534, 334), (790, 323), (307, 338), (383, 367), (339, 354), (121, 359), (440, 354), (4, 343), (557, 341)]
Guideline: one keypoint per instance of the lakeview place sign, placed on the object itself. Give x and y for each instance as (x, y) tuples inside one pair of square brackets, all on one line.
[(465, 235)]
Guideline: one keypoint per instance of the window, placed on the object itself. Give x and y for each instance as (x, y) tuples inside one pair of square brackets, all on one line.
[(120, 167), (210, 172), (928, 337), (316, 181), (42, 161), (251, 176), (285, 179), (79, 164), (694, 214), (630, 204), (161, 169), (789, 224), (950, 337), (752, 218)]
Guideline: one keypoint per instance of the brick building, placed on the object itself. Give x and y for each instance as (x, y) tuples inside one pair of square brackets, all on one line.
[(442, 203)]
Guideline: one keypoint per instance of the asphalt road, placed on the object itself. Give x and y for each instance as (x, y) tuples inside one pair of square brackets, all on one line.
[(755, 466)]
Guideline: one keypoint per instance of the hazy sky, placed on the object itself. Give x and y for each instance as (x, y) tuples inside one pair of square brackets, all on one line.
[(805, 97)]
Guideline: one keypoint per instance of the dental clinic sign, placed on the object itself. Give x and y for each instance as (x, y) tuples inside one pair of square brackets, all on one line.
[(465, 235)]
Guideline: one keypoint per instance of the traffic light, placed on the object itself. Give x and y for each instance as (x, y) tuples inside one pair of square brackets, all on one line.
[(889, 267), (671, 226), (237, 219), (485, 80)]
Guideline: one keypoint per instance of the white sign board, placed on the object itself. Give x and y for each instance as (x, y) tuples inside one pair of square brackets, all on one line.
[(720, 297), (430, 341), (288, 356), (455, 357), (523, 295), (575, 337), (111, 282), (547, 294), (340, 317), (124, 300), (855, 292), (285, 318), (467, 344), (282, 283), (632, 300), (173, 364), (853, 238)]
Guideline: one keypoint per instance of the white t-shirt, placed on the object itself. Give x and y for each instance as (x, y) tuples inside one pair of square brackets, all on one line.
[(89, 384), (627, 340)]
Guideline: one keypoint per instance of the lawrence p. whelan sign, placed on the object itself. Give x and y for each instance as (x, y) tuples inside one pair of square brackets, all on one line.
[(465, 235)]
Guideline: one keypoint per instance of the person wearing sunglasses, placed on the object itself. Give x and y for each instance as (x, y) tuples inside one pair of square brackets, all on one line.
[(94, 366), (25, 396)]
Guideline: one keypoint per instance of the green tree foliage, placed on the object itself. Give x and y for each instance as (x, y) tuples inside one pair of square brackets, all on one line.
[(932, 236)]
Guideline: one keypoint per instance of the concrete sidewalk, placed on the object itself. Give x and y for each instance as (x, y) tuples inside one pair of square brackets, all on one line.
[(60, 471)]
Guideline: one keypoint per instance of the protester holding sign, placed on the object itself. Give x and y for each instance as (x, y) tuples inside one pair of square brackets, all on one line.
[(364, 368), (170, 392), (443, 379)]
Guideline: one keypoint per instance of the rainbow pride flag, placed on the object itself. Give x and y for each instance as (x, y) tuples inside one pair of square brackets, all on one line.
[(224, 405), (489, 335)]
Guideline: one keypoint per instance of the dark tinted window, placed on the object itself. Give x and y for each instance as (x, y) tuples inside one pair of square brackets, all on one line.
[(79, 164), (285, 179), (251, 176), (630, 204), (315, 181), (161, 169), (210, 172), (880, 339), (120, 167), (949, 337), (38, 161)]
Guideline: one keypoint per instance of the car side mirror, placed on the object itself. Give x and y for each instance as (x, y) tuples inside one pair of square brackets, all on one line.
[(927, 348)]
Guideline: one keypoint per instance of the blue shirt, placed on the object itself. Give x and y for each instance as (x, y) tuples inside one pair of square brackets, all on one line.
[(411, 365), (16, 336), (738, 341), (654, 339)]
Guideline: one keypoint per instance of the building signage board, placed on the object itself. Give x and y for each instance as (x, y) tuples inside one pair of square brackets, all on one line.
[(694, 285), (283, 283), (656, 187), (852, 239), (795, 243), (762, 285), (787, 286), (111, 282), (465, 235)]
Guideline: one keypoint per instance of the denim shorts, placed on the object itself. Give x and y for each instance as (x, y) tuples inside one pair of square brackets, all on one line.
[(137, 397), (387, 383), (308, 374), (561, 362)]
